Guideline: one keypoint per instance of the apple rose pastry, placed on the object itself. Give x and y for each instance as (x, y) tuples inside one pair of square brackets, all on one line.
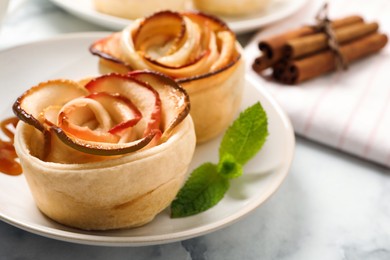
[(200, 52), (231, 7), (133, 9), (107, 155)]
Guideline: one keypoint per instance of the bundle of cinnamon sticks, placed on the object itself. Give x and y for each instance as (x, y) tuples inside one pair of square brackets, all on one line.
[(304, 53)]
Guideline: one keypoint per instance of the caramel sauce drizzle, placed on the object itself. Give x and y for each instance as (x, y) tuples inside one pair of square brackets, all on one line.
[(8, 157)]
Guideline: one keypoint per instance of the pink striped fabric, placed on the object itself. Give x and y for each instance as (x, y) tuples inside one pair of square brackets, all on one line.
[(347, 110)]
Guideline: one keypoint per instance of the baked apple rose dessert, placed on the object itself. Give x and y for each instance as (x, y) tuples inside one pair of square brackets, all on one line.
[(199, 51), (107, 155)]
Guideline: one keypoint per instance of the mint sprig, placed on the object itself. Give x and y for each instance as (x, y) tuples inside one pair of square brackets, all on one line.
[(203, 189), (245, 137), (209, 182)]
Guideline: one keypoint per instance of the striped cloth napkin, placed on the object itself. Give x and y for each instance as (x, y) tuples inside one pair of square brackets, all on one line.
[(348, 110)]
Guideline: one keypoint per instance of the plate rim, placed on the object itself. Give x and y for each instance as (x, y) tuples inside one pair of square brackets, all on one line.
[(238, 26), (92, 239)]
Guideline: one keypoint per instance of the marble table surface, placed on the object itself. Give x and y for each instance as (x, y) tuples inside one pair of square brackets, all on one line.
[(331, 206)]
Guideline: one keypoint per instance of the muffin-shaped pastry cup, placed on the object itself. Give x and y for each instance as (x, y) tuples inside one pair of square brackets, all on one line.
[(133, 9), (119, 190), (231, 7), (199, 51), (125, 192)]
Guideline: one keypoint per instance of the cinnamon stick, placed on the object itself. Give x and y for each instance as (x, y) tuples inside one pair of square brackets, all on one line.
[(272, 48), (295, 71), (261, 63), (302, 46)]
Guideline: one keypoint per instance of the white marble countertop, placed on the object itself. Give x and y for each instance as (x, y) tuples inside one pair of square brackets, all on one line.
[(331, 206)]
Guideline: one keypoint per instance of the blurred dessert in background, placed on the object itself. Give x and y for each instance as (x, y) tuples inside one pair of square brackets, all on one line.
[(230, 7), (132, 9)]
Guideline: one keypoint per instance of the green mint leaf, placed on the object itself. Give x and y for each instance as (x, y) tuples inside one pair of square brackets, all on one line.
[(203, 189), (208, 183), (228, 167), (245, 137)]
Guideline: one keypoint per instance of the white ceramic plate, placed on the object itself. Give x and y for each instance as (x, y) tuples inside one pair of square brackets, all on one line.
[(68, 57), (277, 10)]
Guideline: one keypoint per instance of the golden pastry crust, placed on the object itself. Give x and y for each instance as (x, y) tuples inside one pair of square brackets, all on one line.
[(216, 101), (124, 192)]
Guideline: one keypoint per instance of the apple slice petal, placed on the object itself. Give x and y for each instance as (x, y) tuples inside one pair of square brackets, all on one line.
[(50, 115), (228, 42), (190, 49), (148, 33), (101, 148), (87, 112), (120, 108), (87, 119), (29, 106), (108, 48), (85, 133), (142, 95), (197, 66), (175, 100)]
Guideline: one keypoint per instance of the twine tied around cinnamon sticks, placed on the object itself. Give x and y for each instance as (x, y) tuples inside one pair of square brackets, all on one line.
[(309, 51), (324, 25)]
